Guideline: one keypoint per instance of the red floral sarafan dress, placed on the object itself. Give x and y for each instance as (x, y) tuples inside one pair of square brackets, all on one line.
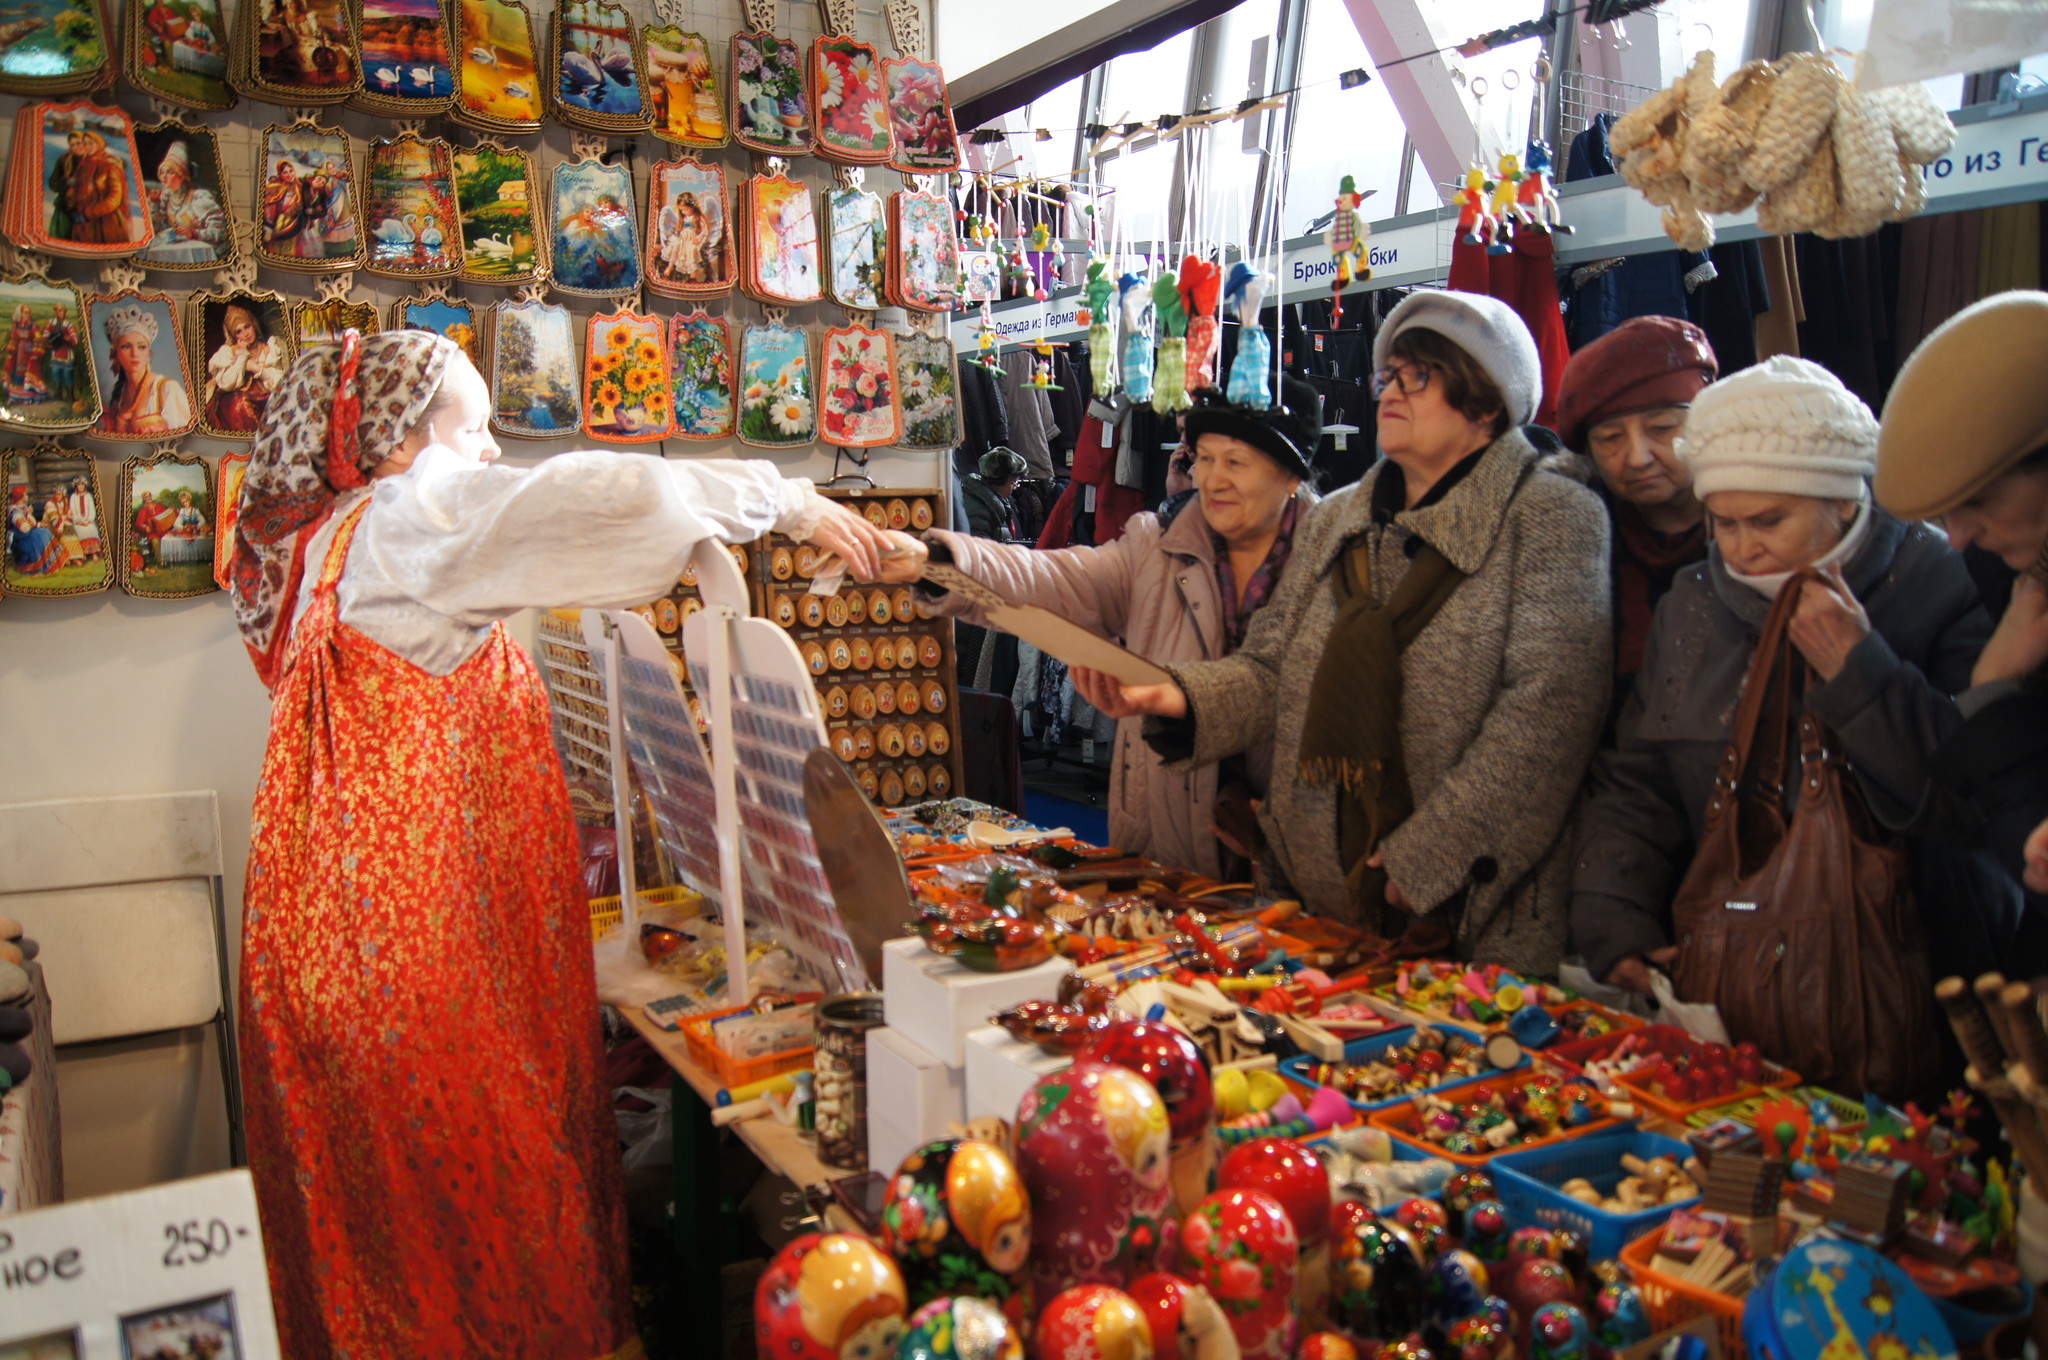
[(435, 1161)]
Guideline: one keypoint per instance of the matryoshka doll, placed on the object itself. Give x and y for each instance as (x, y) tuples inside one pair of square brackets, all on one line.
[(1295, 1176), (1240, 1245), (1457, 1288), (1486, 1230), (1092, 1149), (1092, 1322), (1478, 1337), (957, 1221), (1618, 1316), (829, 1296), (1186, 1322), (1558, 1331), (1177, 1070), (1327, 1346), (959, 1329), (1376, 1280)]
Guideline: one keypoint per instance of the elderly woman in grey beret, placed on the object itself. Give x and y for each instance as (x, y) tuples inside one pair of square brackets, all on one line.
[(1434, 669)]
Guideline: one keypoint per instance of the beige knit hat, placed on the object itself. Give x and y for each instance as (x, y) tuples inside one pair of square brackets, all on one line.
[(1784, 427)]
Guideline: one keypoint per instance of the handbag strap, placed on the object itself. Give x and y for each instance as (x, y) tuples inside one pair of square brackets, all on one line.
[(1767, 686)]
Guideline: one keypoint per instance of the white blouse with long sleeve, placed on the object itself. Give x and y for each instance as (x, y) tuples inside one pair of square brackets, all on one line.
[(451, 546)]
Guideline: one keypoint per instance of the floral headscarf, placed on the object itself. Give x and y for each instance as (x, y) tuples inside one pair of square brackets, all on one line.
[(342, 409)]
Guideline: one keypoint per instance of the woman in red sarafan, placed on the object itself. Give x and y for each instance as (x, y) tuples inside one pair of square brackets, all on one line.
[(434, 1157)]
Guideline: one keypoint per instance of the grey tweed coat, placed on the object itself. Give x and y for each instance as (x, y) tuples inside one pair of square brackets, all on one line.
[(1503, 696)]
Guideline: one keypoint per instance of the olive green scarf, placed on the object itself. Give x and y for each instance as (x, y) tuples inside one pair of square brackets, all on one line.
[(1352, 736)]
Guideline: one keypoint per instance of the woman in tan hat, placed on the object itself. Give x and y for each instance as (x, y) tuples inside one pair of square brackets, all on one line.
[(1780, 455), (1965, 440)]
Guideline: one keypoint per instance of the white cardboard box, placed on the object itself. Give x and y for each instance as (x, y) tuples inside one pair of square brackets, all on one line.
[(933, 1002), (912, 1097), (1001, 1069)]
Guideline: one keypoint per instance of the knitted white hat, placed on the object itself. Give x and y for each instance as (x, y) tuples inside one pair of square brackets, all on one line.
[(1785, 427), (1487, 329)]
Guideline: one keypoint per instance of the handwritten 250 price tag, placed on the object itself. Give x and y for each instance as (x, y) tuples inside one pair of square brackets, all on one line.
[(176, 1269)]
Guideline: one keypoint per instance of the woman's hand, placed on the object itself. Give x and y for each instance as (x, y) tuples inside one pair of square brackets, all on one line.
[(2035, 853), (904, 558), (2019, 646), (1119, 700), (1395, 897), (1828, 623), (857, 543), (1633, 973)]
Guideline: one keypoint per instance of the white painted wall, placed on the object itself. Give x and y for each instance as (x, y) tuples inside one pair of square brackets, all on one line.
[(108, 694)]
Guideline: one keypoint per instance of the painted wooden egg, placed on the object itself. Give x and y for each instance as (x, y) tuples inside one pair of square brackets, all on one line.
[(1289, 1172), (1240, 1245), (1092, 1322)]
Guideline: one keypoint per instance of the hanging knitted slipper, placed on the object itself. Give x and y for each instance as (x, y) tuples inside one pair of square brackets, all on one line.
[(1796, 123), (1808, 202), (1869, 183), (1722, 135)]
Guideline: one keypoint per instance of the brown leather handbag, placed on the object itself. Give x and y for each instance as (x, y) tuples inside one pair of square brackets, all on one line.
[(1802, 929)]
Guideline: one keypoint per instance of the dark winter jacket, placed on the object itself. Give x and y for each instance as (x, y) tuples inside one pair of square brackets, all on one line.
[(1890, 708)]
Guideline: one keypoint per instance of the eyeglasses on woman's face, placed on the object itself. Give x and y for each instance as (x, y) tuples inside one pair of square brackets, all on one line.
[(1409, 377)]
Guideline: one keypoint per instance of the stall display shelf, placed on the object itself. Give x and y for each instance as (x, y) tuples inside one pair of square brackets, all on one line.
[(885, 678)]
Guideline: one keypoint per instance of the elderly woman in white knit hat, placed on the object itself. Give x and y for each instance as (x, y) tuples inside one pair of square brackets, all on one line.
[(1965, 440), (1887, 624), (1433, 670)]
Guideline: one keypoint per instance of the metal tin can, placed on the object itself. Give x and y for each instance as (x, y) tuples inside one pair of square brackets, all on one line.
[(841, 1064)]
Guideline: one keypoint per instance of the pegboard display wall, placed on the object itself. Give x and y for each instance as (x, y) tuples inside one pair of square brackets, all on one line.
[(240, 132)]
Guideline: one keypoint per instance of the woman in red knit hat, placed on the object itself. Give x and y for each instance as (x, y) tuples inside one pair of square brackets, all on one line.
[(1622, 403)]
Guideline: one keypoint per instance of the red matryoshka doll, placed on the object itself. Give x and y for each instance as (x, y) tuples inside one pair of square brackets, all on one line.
[(1240, 1246), (957, 1221), (1376, 1279), (829, 1296), (959, 1329), (1092, 1149), (1328, 1346), (1559, 1332), (1295, 1176), (1478, 1337), (1092, 1322), (1532, 1283), (1177, 1070), (1186, 1322)]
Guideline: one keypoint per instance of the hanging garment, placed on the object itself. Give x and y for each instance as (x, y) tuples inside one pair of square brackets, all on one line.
[(1848, 327), (1937, 273), (1526, 279), (2009, 256), (1030, 409), (1727, 305), (391, 1226), (1777, 330)]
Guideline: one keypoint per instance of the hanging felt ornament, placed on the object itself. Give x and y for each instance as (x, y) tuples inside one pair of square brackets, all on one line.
[(1201, 281), (1041, 368), (1170, 382), (1476, 225), (1506, 208), (986, 339), (1135, 293), (1251, 374), (1101, 327), (1041, 262), (1536, 196), (1347, 237)]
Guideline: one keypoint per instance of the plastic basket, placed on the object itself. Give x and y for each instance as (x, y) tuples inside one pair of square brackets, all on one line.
[(606, 912), (1672, 1302), (732, 1071), (1362, 1050), (1528, 1182), (1667, 1040), (1399, 1121)]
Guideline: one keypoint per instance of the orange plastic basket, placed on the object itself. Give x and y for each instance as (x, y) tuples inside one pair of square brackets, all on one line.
[(1672, 1301), (731, 1071), (1400, 1122), (1667, 1039)]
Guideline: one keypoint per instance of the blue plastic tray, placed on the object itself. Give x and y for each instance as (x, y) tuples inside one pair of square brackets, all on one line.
[(1528, 1184), (1362, 1050)]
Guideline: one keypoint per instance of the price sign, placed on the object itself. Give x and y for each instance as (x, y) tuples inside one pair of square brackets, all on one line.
[(172, 1270)]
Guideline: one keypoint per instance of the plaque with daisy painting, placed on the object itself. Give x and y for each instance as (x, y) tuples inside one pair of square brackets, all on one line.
[(928, 390), (778, 398), (852, 104), (700, 374), (625, 379)]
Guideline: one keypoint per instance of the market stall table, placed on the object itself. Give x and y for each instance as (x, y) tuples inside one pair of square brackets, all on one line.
[(700, 1231)]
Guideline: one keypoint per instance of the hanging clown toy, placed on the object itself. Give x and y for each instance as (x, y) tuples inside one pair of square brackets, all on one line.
[(1347, 237)]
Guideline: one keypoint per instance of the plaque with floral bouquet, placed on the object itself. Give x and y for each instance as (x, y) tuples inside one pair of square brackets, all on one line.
[(858, 407)]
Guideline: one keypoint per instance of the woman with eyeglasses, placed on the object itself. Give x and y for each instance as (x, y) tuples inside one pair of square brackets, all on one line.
[(1179, 586), (1433, 671), (1622, 402)]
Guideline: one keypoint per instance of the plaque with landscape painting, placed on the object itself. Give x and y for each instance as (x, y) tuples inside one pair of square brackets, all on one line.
[(450, 317), (408, 65), (535, 392), (409, 208), (494, 193), (497, 86)]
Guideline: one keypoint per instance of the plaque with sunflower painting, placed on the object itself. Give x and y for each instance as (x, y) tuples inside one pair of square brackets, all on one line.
[(626, 398)]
